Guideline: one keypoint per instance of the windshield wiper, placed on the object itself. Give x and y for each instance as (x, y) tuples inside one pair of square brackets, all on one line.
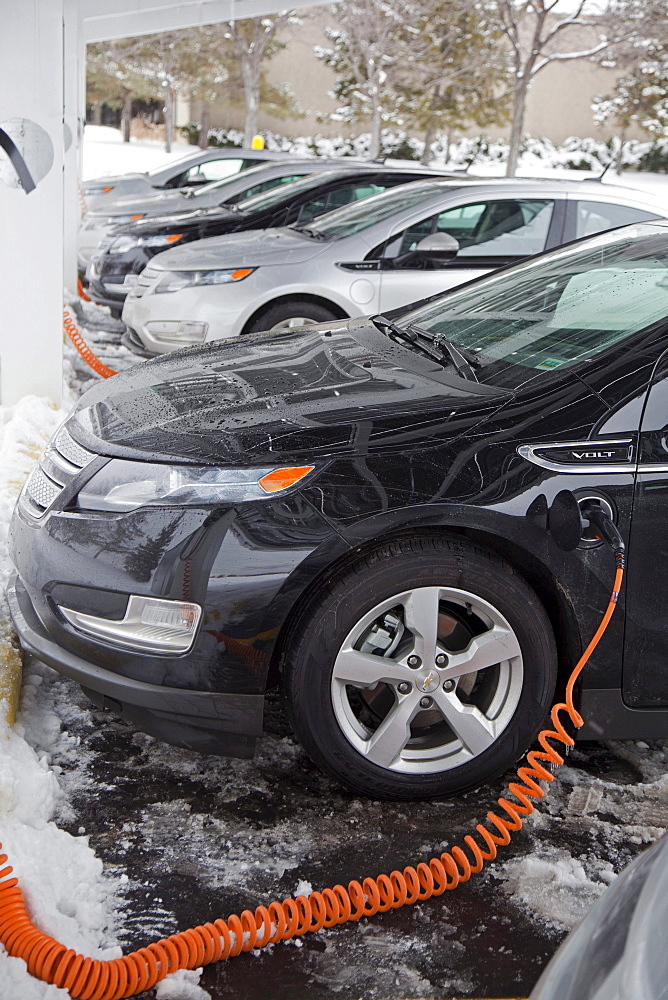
[(314, 233), (440, 349), (464, 361)]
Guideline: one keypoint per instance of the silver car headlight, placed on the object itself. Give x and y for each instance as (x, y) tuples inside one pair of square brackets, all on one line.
[(123, 485), (121, 220), (124, 243), (97, 188), (173, 281)]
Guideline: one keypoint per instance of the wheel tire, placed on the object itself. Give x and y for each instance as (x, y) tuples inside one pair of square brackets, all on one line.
[(498, 708), (291, 313)]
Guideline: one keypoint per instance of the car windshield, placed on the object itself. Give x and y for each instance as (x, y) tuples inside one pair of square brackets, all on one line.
[(249, 175), (186, 161), (363, 214), (557, 310), (274, 196)]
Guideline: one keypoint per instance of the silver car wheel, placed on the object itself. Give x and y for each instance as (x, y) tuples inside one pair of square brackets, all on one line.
[(286, 324), (427, 680)]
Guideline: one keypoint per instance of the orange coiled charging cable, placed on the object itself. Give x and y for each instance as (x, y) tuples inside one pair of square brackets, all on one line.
[(95, 979), (73, 332)]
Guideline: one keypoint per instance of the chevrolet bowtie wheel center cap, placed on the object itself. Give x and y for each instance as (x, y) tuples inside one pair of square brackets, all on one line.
[(429, 682)]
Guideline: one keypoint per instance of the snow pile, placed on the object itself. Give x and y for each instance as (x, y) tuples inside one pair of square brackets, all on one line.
[(553, 885), (59, 874), (182, 985), (25, 429), (105, 153), (67, 894)]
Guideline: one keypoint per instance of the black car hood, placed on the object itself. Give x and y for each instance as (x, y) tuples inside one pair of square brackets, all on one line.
[(287, 397), (158, 225)]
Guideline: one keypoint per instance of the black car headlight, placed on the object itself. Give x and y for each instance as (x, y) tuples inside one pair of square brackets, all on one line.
[(126, 242), (123, 485), (174, 281), (122, 244)]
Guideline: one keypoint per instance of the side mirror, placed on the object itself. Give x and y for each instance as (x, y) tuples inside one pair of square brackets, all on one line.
[(438, 246)]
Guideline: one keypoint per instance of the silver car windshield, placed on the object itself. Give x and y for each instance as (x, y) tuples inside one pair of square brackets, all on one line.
[(560, 309), (363, 214), (248, 175), (184, 161)]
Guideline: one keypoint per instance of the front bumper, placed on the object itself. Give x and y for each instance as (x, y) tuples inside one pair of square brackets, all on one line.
[(224, 308), (136, 344), (207, 721)]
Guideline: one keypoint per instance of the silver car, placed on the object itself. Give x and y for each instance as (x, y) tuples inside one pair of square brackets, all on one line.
[(618, 952), (199, 167), (97, 226), (391, 249)]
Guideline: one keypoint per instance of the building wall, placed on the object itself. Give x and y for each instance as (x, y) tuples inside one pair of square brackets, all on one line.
[(558, 105)]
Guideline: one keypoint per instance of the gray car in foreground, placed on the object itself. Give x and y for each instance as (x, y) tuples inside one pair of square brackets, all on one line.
[(619, 950), (368, 257)]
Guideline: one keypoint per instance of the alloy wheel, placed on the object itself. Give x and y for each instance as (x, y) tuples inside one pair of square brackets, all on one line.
[(427, 680)]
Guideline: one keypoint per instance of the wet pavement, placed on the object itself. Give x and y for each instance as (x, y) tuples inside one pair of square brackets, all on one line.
[(191, 838)]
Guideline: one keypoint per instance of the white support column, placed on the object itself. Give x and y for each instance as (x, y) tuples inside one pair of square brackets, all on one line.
[(74, 113), (31, 234)]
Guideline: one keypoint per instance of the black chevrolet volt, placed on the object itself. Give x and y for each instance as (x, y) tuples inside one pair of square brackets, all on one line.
[(355, 512)]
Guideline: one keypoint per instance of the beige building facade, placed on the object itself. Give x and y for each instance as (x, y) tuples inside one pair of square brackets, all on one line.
[(559, 103)]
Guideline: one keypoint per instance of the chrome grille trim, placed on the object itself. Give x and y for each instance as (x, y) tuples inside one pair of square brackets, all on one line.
[(63, 459), (144, 281), (42, 490), (71, 450)]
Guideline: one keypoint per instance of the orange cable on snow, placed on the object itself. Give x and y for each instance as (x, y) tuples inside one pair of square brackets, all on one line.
[(81, 291), (96, 979), (72, 331)]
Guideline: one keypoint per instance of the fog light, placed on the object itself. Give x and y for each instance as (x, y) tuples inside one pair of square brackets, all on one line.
[(173, 331), (193, 331), (150, 624)]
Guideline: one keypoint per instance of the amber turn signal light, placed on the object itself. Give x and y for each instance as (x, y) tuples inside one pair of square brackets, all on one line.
[(280, 479)]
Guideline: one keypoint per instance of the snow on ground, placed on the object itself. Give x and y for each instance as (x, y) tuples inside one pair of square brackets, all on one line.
[(67, 892), (60, 875), (105, 153)]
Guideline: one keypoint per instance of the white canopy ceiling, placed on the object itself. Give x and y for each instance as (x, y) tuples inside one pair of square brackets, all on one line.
[(104, 19)]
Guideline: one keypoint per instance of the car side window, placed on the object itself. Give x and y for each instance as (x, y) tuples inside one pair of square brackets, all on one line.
[(344, 195), (503, 228), (213, 170), (598, 216), (265, 186)]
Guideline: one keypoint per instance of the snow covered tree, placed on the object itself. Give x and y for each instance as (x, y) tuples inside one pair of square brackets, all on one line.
[(640, 97), (253, 41), (149, 66), (365, 51), (112, 79), (449, 75), (540, 32)]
